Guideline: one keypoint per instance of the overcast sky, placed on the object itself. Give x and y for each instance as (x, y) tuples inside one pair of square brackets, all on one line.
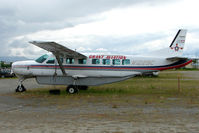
[(97, 26)]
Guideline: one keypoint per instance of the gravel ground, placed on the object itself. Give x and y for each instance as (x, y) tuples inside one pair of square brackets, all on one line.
[(92, 113)]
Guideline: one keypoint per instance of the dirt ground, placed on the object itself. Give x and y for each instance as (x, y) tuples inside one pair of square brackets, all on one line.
[(93, 113)]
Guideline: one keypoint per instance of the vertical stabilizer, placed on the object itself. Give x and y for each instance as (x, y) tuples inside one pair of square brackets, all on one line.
[(178, 42), (175, 49)]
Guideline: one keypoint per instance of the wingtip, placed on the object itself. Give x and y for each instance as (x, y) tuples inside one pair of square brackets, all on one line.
[(34, 42), (37, 42), (30, 41)]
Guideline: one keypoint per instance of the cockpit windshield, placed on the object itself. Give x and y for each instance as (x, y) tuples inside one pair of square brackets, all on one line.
[(42, 58)]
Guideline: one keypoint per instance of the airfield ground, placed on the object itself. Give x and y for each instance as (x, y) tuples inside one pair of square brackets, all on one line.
[(141, 104)]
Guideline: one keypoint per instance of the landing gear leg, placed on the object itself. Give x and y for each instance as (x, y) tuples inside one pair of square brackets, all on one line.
[(20, 87), (72, 89)]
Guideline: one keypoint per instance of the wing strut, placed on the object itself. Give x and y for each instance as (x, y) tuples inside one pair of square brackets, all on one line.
[(60, 63)]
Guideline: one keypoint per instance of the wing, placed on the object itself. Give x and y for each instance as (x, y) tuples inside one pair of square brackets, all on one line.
[(56, 48)]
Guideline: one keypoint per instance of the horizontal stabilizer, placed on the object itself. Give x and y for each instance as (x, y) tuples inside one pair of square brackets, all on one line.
[(176, 58)]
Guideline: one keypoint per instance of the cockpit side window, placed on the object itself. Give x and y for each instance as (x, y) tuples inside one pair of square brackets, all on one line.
[(42, 58), (61, 60), (51, 61)]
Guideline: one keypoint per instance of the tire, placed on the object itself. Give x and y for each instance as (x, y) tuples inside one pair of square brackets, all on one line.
[(72, 89), (83, 87), (20, 88)]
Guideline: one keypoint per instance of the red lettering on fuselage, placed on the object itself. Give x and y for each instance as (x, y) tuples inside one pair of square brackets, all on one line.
[(107, 57)]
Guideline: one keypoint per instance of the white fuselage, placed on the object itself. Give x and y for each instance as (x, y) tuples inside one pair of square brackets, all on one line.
[(96, 68)]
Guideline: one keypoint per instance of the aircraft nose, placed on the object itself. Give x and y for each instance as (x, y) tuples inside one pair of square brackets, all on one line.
[(14, 67), (22, 67), (13, 64)]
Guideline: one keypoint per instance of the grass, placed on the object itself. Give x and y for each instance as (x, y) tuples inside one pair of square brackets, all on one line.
[(187, 69)]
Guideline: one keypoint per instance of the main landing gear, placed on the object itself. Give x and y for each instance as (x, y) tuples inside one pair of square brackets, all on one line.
[(72, 89), (20, 87)]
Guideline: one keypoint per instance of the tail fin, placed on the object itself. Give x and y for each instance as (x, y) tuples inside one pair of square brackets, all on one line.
[(178, 42), (175, 49)]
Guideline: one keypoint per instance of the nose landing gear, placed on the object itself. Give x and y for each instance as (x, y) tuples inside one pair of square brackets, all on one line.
[(20, 87)]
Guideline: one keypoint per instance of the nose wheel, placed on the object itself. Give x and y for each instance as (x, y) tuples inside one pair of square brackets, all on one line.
[(20, 88)]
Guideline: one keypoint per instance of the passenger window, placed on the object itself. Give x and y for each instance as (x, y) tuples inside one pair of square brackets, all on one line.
[(106, 61), (95, 61), (126, 62), (81, 61), (116, 62), (51, 61), (70, 61)]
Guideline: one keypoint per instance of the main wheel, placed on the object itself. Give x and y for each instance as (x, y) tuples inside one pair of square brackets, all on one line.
[(20, 88), (71, 89), (83, 87)]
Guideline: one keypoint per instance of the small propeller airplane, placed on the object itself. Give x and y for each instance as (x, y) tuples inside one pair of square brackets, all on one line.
[(78, 71)]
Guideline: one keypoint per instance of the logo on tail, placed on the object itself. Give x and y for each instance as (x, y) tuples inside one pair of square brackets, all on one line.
[(177, 48)]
